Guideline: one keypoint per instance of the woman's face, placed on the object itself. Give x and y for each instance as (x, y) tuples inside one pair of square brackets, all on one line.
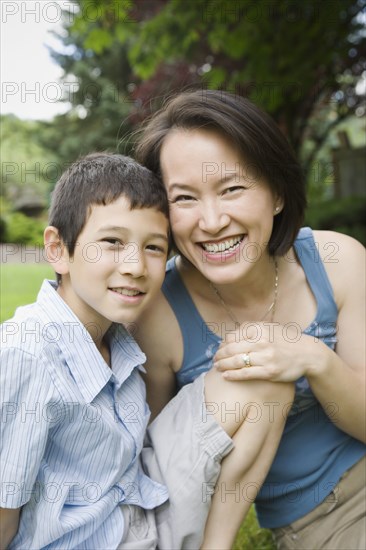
[(221, 209)]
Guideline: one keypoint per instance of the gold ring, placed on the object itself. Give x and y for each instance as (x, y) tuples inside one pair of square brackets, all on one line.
[(246, 360)]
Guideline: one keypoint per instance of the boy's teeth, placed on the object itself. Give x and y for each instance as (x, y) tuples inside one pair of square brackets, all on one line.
[(224, 246), (126, 291)]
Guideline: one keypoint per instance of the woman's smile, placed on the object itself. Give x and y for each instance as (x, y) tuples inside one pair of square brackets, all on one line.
[(221, 224)]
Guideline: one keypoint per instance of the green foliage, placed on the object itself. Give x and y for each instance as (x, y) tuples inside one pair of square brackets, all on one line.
[(101, 74), (167, 37), (299, 61), (265, 38), (23, 229), (321, 175), (2, 230), (27, 166), (346, 215)]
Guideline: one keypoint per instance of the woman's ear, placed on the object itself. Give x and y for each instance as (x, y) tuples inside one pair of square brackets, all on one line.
[(278, 207), (56, 251)]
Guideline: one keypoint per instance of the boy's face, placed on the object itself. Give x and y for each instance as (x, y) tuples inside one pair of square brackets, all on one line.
[(118, 264)]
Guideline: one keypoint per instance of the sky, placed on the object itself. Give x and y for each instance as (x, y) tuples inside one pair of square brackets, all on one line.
[(30, 79)]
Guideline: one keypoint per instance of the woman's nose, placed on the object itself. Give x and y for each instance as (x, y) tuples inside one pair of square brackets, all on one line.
[(212, 218)]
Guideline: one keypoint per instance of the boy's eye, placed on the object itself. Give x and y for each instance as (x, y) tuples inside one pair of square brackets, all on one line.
[(113, 241), (156, 248)]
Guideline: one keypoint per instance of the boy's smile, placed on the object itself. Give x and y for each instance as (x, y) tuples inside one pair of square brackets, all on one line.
[(118, 265)]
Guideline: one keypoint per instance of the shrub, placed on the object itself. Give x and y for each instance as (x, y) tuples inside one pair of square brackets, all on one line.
[(23, 229), (2, 230), (347, 215)]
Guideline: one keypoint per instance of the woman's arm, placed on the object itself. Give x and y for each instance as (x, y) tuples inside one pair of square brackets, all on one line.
[(336, 378), (158, 334), (339, 381)]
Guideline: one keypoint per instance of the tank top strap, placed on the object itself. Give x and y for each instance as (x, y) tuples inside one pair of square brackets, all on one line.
[(308, 254), (181, 302)]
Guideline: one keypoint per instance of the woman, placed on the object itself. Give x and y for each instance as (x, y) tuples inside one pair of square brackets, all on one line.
[(257, 298)]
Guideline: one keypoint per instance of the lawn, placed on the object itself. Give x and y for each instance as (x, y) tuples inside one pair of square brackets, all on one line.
[(19, 285), (251, 537)]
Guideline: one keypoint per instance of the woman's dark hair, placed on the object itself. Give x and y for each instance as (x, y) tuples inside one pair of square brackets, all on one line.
[(252, 132)]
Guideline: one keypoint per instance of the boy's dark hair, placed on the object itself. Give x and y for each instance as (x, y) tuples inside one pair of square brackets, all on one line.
[(252, 132), (101, 178)]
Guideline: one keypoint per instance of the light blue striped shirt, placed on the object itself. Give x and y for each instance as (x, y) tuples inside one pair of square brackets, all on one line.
[(72, 429)]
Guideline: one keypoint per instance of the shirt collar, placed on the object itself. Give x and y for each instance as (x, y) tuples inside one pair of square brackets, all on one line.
[(87, 366), (125, 353)]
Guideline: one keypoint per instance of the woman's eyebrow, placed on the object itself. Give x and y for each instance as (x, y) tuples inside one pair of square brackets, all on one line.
[(181, 186)]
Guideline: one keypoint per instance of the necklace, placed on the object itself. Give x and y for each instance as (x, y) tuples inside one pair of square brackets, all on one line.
[(271, 309)]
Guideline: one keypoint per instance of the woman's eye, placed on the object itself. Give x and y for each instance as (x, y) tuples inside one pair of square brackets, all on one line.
[(234, 188), (182, 198)]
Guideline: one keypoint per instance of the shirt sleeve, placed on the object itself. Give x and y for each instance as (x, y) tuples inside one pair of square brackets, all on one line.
[(25, 393)]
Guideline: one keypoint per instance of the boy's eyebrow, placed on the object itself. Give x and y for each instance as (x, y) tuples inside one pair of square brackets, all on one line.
[(126, 229), (159, 236)]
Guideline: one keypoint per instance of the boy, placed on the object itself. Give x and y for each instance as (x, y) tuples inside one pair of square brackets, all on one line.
[(75, 415)]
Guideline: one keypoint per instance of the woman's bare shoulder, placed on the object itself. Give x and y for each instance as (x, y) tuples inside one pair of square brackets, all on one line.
[(344, 261), (337, 247), (158, 334)]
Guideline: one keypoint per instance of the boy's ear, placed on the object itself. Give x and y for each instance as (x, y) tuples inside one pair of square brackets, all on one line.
[(56, 251)]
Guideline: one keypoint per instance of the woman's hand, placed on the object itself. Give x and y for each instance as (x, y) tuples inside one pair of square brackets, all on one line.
[(276, 352)]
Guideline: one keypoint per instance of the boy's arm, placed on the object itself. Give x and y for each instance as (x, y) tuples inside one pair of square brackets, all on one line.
[(9, 521), (26, 390)]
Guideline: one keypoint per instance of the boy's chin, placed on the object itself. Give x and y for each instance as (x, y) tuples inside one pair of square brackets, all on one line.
[(125, 320)]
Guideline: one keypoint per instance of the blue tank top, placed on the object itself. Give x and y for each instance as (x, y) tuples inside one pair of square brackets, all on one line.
[(313, 453)]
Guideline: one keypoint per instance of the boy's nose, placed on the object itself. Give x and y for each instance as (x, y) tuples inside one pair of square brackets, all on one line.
[(133, 265)]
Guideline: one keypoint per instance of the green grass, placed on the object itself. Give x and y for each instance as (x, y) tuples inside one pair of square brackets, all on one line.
[(252, 537), (19, 285)]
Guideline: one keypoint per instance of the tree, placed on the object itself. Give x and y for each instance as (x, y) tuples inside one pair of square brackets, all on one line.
[(29, 171), (299, 61), (98, 79)]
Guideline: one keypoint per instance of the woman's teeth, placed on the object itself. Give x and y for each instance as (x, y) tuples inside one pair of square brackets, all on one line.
[(224, 246)]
